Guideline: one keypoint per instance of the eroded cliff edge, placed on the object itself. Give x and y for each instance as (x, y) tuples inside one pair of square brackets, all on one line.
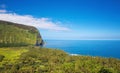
[(13, 34)]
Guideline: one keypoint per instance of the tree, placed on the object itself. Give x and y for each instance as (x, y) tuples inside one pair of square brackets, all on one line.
[(103, 70)]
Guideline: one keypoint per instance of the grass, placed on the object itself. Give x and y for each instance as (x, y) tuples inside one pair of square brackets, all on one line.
[(12, 54)]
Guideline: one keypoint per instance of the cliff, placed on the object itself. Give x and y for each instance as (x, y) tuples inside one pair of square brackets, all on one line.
[(13, 34)]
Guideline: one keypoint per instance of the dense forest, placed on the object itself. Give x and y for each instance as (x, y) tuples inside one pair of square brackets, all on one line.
[(43, 60), (12, 34)]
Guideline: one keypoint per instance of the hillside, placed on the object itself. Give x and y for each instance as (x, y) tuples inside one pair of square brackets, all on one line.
[(43, 60), (13, 34)]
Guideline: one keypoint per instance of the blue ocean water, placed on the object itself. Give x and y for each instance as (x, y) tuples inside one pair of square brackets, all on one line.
[(103, 48)]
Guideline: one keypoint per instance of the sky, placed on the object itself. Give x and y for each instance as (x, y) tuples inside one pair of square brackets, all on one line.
[(66, 19)]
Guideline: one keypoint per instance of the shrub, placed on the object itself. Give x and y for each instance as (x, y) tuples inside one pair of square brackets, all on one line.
[(1, 58), (103, 70)]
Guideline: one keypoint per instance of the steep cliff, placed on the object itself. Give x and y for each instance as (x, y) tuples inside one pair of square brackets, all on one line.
[(13, 34)]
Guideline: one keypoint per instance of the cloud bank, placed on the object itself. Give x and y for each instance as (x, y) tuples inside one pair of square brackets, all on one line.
[(3, 11), (40, 23)]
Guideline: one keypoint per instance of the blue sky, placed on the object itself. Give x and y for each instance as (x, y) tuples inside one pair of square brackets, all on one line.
[(79, 19)]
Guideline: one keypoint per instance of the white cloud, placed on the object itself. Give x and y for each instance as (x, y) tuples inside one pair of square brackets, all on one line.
[(42, 23), (3, 11)]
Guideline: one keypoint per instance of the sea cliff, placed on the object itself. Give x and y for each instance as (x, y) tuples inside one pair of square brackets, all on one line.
[(13, 34)]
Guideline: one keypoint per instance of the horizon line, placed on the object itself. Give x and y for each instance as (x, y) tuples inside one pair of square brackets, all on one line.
[(81, 39)]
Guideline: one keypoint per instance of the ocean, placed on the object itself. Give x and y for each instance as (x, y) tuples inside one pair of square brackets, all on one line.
[(102, 48)]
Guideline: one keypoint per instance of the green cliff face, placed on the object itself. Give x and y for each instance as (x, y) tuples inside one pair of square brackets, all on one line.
[(12, 34)]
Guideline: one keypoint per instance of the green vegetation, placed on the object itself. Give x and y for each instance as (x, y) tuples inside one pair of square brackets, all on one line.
[(43, 60), (12, 34), (11, 54)]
